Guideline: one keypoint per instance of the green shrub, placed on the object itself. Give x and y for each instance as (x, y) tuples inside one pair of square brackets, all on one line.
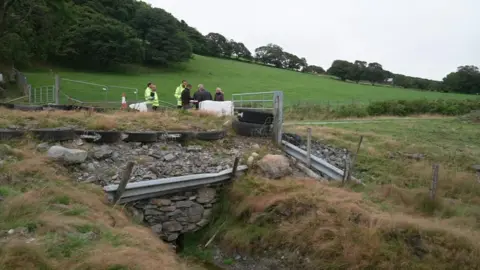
[(387, 107), (423, 106)]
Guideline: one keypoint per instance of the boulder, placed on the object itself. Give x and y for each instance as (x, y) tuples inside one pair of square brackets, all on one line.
[(67, 155), (275, 166)]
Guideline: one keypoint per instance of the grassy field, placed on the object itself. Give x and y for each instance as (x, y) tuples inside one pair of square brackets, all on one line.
[(232, 77), (389, 223)]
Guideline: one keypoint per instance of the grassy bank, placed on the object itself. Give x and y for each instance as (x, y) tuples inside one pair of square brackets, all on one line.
[(233, 77), (49, 222), (389, 223)]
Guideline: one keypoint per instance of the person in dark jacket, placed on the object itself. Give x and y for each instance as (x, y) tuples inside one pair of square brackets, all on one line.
[(186, 98), (201, 95), (196, 97), (219, 95)]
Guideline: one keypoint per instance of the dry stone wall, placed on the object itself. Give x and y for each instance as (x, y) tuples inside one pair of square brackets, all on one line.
[(171, 215)]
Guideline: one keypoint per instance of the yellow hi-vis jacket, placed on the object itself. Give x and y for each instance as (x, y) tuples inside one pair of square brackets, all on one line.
[(178, 94), (148, 97)]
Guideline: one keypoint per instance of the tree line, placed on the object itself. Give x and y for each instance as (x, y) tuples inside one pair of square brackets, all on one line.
[(100, 34), (466, 79)]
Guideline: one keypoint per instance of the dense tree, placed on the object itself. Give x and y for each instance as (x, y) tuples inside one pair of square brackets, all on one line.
[(465, 80), (314, 69), (274, 55), (340, 69), (375, 73), (240, 50), (162, 40), (357, 71), (98, 41), (197, 40), (218, 45)]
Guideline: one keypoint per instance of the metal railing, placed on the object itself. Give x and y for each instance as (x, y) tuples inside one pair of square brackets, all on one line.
[(259, 100), (42, 94), (265, 101), (154, 188), (94, 93), (317, 163)]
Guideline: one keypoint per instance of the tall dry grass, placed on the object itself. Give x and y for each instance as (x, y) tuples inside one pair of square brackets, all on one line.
[(338, 229), (62, 225), (165, 120)]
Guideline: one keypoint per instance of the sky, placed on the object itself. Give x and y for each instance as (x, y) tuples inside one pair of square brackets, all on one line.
[(423, 38)]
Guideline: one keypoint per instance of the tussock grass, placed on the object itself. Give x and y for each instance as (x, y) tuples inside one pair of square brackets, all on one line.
[(339, 229), (166, 120), (62, 225)]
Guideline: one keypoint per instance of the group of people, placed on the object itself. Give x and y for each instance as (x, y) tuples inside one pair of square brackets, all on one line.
[(183, 96)]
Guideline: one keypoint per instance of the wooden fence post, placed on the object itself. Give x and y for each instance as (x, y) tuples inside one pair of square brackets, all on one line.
[(309, 148), (57, 89), (433, 188), (352, 165), (235, 166), (123, 182)]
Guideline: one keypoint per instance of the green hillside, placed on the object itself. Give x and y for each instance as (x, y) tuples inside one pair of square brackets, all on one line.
[(232, 77)]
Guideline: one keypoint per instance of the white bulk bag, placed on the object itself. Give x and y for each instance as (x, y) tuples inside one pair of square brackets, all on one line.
[(142, 106), (218, 107)]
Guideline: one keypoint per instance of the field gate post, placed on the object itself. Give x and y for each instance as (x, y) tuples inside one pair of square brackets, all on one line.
[(56, 90), (309, 148), (29, 94), (277, 117)]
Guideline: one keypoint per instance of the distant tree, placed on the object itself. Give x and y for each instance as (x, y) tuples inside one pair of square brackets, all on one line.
[(314, 69), (291, 61), (303, 63), (240, 51), (357, 71), (340, 69), (375, 73), (271, 54), (218, 45), (465, 80)]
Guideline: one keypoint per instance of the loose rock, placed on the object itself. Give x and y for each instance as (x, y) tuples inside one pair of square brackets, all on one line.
[(43, 147), (71, 156), (275, 166), (103, 152), (169, 157)]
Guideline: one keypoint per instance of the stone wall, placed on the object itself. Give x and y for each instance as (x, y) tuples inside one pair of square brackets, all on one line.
[(171, 215)]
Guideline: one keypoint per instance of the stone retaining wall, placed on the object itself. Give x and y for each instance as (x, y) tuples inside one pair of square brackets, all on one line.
[(171, 215)]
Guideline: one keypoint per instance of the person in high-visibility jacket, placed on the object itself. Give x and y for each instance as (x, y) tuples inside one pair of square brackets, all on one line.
[(178, 93), (151, 97)]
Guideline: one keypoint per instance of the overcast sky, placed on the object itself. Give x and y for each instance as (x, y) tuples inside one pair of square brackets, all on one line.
[(423, 38)]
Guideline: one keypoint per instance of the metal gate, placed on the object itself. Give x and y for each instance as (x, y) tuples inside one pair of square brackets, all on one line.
[(265, 101), (43, 95)]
